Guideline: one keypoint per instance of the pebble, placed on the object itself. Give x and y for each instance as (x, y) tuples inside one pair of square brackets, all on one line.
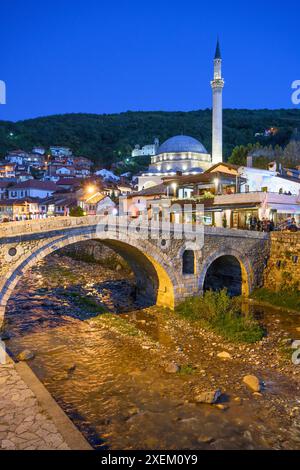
[(224, 355), (205, 439), (222, 407), (252, 382), (172, 368), (25, 355), (210, 397)]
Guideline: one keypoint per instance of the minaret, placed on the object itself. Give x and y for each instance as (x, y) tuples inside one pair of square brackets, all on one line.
[(217, 85)]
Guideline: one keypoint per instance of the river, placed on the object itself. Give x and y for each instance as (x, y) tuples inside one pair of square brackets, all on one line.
[(109, 373)]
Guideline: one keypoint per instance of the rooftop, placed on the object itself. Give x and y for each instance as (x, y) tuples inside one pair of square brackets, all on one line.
[(36, 184), (181, 143)]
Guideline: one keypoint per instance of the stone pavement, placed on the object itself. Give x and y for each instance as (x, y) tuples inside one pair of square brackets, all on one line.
[(24, 424)]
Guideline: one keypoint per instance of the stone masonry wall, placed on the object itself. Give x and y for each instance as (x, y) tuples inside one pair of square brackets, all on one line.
[(283, 268), (93, 250)]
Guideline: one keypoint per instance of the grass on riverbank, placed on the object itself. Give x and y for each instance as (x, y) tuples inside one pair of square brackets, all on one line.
[(285, 299), (223, 315), (86, 303), (117, 323)]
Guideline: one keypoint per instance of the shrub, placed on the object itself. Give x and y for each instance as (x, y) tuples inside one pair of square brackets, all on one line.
[(76, 212), (217, 311)]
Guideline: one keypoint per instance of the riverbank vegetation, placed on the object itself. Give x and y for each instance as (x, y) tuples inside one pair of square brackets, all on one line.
[(87, 304), (118, 324), (222, 314), (289, 299)]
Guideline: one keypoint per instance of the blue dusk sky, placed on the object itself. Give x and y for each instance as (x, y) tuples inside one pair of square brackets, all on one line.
[(95, 56)]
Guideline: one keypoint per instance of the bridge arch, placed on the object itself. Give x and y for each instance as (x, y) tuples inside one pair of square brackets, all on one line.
[(227, 268), (155, 277)]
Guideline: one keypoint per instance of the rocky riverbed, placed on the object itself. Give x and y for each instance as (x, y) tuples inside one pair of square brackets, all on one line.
[(133, 379)]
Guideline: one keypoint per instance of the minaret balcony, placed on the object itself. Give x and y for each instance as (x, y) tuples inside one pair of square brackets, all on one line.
[(217, 83)]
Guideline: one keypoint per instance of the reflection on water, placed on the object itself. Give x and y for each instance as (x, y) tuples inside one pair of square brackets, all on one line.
[(114, 386)]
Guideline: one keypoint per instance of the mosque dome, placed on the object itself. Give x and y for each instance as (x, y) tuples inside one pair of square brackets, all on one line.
[(181, 143)]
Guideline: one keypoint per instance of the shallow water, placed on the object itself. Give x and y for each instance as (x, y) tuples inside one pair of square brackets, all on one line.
[(114, 386)]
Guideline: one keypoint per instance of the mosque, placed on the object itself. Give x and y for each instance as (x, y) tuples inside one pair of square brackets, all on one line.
[(184, 154)]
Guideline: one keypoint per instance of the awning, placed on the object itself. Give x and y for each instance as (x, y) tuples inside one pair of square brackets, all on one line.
[(285, 209)]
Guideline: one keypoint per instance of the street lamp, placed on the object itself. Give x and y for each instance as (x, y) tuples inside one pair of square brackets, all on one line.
[(90, 189)]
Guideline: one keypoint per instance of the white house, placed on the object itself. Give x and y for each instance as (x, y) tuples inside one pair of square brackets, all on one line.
[(145, 150), (267, 180), (60, 152), (16, 156), (97, 203), (32, 188), (39, 150)]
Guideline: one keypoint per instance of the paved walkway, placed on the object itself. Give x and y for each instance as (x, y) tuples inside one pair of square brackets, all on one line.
[(24, 424)]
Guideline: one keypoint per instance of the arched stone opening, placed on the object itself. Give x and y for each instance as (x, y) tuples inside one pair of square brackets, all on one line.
[(155, 280), (152, 281), (188, 262), (224, 272)]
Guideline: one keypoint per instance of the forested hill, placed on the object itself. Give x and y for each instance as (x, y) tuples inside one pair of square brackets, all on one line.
[(110, 137)]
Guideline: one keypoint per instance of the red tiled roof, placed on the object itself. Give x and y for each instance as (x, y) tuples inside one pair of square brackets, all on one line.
[(36, 184), (18, 202), (69, 181), (4, 184)]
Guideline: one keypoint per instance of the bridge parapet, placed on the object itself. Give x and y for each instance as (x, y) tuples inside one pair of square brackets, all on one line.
[(61, 223), (45, 225)]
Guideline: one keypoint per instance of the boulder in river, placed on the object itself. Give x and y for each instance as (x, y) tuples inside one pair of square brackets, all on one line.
[(210, 396), (296, 357), (172, 368), (203, 439), (224, 355), (25, 355), (252, 382)]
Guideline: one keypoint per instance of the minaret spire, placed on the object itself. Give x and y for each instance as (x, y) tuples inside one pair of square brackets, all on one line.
[(217, 85), (218, 50)]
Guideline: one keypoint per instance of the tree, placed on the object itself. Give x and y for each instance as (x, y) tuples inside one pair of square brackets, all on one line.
[(76, 212), (291, 154), (239, 155)]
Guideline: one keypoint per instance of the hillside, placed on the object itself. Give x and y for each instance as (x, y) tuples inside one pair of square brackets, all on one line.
[(111, 137)]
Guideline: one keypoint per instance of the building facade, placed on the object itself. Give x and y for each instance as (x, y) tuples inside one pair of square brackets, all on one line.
[(186, 154)]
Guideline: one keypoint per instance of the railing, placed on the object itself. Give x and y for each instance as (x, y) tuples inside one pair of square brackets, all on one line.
[(256, 197), (123, 223)]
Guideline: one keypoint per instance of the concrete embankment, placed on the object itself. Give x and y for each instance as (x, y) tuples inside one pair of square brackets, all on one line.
[(30, 419)]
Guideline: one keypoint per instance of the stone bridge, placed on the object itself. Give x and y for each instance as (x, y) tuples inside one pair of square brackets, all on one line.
[(167, 269)]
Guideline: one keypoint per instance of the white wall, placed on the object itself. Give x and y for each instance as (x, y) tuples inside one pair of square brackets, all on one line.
[(26, 192), (258, 179), (145, 182)]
